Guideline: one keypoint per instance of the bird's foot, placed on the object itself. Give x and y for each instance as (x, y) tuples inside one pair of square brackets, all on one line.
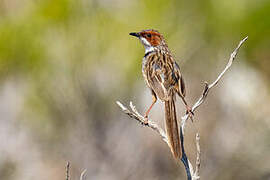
[(145, 121)]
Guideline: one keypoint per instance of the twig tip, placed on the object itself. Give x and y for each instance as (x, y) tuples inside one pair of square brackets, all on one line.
[(82, 174), (121, 105)]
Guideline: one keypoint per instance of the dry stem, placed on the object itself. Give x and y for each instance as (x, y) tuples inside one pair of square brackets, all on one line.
[(67, 171)]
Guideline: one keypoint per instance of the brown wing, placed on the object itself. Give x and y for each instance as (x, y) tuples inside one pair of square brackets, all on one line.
[(180, 86), (164, 74), (156, 75), (157, 79)]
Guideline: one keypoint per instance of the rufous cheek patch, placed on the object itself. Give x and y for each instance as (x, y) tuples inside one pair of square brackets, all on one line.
[(155, 40)]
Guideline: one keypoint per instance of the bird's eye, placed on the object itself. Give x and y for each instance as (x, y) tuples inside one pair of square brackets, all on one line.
[(149, 35)]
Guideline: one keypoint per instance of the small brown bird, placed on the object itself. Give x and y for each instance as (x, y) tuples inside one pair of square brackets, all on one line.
[(163, 77)]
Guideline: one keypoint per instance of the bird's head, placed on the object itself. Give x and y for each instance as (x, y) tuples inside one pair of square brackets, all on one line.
[(150, 38)]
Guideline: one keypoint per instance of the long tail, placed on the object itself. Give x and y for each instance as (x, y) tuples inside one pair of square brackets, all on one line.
[(172, 127)]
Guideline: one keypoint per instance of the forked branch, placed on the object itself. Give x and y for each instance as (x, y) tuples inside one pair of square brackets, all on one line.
[(207, 86), (134, 114)]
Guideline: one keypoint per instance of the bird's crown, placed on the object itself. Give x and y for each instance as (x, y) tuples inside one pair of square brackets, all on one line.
[(149, 37)]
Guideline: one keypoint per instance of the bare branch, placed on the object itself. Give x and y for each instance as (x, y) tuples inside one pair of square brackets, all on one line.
[(195, 175), (213, 84), (137, 116)]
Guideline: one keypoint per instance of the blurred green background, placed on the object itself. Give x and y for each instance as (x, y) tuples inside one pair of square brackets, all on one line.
[(64, 63)]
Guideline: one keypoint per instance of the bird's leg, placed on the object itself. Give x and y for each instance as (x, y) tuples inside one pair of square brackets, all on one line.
[(188, 109), (154, 100)]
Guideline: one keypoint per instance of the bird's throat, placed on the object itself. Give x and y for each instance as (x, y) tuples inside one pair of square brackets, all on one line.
[(149, 49)]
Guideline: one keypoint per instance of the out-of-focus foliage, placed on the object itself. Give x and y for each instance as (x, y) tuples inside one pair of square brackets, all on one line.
[(64, 63)]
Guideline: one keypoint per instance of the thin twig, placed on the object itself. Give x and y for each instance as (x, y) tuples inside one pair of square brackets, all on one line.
[(67, 171), (198, 158), (137, 116), (207, 86), (82, 174)]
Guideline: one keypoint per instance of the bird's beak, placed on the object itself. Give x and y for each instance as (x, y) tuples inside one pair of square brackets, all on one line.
[(134, 34)]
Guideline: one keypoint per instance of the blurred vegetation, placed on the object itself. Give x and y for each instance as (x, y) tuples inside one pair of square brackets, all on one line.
[(70, 60)]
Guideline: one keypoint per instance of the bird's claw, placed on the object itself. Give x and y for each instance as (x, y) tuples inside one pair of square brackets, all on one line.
[(145, 121)]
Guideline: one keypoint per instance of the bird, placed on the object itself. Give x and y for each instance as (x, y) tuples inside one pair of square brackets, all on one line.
[(162, 75)]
